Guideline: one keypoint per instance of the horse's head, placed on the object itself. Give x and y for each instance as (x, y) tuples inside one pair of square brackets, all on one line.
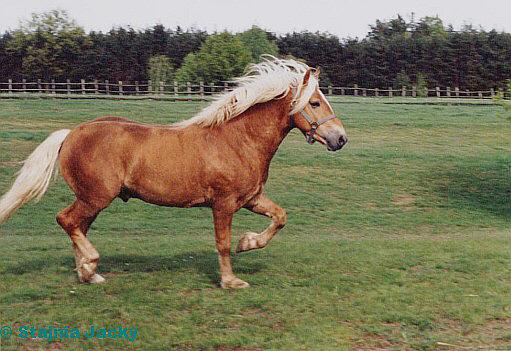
[(316, 120)]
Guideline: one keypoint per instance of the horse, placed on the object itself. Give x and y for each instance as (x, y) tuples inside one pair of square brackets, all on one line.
[(219, 159)]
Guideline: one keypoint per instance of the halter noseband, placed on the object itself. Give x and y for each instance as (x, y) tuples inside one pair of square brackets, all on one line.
[(309, 135)]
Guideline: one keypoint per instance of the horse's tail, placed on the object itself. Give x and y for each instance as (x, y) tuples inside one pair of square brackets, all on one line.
[(35, 175)]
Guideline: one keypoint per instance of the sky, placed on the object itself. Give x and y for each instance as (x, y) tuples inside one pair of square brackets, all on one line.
[(349, 18)]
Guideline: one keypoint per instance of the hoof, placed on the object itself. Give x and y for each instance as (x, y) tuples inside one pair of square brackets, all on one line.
[(248, 242), (87, 273), (97, 279), (88, 279), (234, 283)]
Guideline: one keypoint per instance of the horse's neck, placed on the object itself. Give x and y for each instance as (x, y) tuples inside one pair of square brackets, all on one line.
[(266, 126)]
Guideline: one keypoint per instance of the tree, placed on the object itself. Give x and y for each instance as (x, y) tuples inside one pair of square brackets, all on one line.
[(221, 57), (430, 26), (318, 50), (50, 45), (402, 80), (160, 70), (256, 40), (384, 30), (422, 85)]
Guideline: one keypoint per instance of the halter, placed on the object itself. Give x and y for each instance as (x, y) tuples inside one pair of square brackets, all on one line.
[(309, 135)]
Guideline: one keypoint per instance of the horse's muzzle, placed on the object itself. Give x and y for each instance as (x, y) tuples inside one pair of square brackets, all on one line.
[(337, 143)]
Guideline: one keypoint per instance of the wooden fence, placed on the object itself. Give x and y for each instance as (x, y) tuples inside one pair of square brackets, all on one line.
[(203, 90)]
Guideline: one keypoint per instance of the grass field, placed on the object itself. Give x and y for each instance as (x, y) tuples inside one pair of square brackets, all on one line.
[(400, 241)]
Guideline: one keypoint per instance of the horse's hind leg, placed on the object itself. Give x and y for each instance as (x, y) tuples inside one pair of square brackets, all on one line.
[(264, 206), (76, 220)]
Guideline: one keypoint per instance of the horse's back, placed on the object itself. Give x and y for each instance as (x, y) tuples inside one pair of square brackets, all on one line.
[(111, 119)]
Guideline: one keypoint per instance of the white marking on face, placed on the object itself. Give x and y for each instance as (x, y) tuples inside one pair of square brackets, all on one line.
[(340, 129), (324, 98)]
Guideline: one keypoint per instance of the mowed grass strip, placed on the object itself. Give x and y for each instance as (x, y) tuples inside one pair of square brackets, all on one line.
[(402, 241)]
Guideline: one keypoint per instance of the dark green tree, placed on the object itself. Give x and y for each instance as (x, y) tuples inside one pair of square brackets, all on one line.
[(257, 41), (221, 57), (50, 45)]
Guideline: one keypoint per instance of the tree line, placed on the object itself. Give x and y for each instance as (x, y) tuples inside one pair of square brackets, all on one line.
[(396, 52)]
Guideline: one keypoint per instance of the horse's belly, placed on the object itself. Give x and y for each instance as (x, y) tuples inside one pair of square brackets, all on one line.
[(166, 195)]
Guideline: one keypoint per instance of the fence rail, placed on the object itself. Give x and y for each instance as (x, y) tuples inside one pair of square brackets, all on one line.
[(204, 90)]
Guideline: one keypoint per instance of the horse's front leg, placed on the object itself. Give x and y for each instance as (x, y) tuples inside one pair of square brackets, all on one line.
[(264, 206), (223, 232)]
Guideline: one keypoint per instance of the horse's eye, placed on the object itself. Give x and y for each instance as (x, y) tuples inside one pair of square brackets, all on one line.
[(314, 104)]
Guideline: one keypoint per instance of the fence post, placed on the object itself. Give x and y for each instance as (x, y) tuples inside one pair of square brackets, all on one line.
[(414, 91), (82, 85), (403, 91), (39, 86), (437, 91), (448, 91), (120, 88), (329, 90), (176, 89), (492, 92), (189, 90), (96, 87), (376, 92), (480, 94), (390, 92), (364, 92), (10, 86), (68, 86), (136, 87), (355, 93), (162, 88), (457, 92), (343, 92), (226, 86), (107, 87), (201, 90), (53, 86), (149, 87), (24, 85)]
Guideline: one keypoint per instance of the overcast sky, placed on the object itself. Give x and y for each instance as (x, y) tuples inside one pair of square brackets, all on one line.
[(349, 18)]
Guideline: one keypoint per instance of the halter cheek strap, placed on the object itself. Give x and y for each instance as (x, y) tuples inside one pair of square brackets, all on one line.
[(309, 135)]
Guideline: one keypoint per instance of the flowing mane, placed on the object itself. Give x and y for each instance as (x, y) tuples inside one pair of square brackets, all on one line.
[(263, 82)]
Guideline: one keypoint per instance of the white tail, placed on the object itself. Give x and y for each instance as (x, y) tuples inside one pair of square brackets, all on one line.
[(35, 175)]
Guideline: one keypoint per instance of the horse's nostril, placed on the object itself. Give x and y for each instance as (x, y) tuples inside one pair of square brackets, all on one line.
[(343, 140)]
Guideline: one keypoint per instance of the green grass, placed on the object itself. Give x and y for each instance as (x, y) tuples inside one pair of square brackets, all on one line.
[(400, 241)]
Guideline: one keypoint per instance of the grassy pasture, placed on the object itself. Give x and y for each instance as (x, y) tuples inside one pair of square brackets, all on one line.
[(400, 241)]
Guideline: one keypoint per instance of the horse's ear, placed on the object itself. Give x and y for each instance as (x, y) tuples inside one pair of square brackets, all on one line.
[(316, 73), (307, 76)]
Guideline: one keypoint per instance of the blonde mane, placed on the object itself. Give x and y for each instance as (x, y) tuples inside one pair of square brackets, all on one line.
[(263, 82)]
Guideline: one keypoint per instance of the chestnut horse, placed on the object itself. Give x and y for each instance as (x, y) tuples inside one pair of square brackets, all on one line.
[(219, 159)]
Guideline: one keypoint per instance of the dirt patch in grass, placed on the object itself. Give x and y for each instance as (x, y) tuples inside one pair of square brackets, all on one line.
[(493, 333), (382, 341), (39, 347), (403, 200)]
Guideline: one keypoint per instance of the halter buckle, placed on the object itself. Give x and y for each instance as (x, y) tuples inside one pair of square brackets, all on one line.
[(310, 134)]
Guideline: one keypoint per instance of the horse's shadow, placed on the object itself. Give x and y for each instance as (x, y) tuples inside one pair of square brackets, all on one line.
[(484, 187), (203, 262)]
